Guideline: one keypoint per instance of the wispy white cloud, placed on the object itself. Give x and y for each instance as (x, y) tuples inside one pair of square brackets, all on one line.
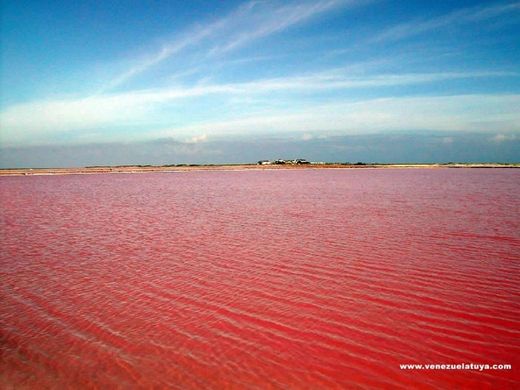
[(454, 113), (249, 22), (134, 108), (443, 113), (339, 79), (459, 17), (270, 20), (150, 60), (167, 50)]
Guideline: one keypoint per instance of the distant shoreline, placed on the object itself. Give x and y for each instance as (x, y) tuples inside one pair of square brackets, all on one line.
[(232, 167)]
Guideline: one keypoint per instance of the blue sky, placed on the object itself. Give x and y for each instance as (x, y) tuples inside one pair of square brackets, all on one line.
[(202, 72)]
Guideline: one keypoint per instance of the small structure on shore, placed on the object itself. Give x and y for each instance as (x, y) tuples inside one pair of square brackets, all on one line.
[(282, 161)]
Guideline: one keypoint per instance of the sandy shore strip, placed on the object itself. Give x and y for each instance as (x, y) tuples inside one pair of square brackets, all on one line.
[(231, 167)]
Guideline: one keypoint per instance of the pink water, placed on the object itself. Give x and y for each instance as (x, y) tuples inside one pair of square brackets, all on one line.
[(260, 279)]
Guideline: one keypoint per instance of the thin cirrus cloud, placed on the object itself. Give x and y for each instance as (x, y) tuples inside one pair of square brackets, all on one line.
[(455, 18), (247, 23), (276, 20), (189, 38)]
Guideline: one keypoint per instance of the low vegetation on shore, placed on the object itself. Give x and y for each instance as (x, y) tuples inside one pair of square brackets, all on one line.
[(255, 166)]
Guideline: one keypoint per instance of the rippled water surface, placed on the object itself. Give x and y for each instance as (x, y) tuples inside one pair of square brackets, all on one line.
[(282, 279)]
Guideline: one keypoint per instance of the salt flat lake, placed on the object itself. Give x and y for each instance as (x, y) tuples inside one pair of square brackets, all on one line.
[(257, 279)]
